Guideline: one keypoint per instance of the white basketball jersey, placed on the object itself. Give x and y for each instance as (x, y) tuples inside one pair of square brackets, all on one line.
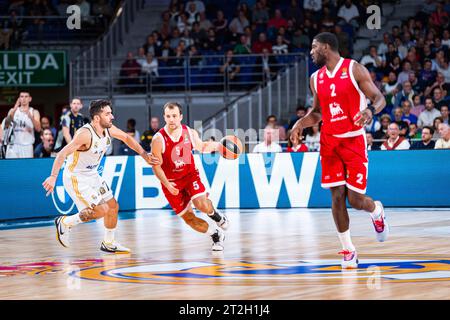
[(22, 127), (88, 161)]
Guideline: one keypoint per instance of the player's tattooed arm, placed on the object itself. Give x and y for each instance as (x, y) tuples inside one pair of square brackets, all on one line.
[(133, 144), (156, 147)]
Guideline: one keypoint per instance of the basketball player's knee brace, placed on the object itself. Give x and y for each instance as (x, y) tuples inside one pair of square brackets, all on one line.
[(87, 214)]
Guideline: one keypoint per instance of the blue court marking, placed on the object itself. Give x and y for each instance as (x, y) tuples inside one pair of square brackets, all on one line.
[(49, 221)]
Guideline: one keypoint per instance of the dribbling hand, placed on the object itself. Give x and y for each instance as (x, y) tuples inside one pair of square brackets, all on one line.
[(49, 185)]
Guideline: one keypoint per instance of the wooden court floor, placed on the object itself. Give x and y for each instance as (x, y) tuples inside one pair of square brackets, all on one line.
[(269, 254)]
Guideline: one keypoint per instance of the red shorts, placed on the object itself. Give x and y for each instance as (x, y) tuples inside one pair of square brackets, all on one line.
[(344, 162), (190, 187)]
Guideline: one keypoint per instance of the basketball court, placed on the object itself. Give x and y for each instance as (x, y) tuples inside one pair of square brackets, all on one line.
[(269, 254)]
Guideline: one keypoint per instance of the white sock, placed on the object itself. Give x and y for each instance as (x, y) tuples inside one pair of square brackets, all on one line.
[(73, 220), (211, 229), (109, 235), (375, 214), (346, 240)]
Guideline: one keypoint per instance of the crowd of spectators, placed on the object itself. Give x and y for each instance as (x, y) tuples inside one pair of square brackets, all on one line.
[(46, 19), (239, 27), (411, 68)]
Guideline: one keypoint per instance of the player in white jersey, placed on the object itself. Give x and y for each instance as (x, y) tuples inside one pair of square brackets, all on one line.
[(89, 191), (25, 120)]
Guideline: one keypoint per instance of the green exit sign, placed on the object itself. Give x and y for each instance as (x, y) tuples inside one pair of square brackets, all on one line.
[(33, 68)]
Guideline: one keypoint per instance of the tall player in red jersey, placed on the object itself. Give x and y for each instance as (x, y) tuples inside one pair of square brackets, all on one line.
[(179, 177), (340, 88)]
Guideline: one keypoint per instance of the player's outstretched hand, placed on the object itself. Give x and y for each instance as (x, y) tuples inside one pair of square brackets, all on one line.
[(49, 185), (362, 117), (172, 189)]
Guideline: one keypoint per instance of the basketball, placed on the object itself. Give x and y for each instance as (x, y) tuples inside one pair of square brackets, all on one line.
[(230, 147)]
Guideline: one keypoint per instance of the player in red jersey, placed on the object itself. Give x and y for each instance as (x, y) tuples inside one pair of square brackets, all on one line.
[(340, 88), (179, 177)]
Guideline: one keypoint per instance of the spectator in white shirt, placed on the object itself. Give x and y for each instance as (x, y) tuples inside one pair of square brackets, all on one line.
[(372, 58), (192, 12), (199, 5), (395, 141), (444, 68), (446, 38), (312, 139), (349, 13), (383, 46), (426, 117), (313, 5), (269, 144), (406, 70), (141, 57), (238, 24), (280, 47), (150, 66), (444, 141)]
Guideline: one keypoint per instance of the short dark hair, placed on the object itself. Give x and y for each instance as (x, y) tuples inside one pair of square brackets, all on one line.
[(429, 98), (429, 128), (271, 116), (328, 38), (96, 107), (173, 105), (301, 108), (132, 122), (76, 98)]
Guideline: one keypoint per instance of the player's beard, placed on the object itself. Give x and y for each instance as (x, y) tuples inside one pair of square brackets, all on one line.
[(105, 124), (321, 60)]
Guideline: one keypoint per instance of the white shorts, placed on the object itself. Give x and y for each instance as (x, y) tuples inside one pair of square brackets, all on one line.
[(17, 151), (86, 190)]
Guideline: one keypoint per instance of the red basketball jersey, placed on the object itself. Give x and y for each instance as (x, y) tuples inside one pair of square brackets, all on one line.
[(178, 160), (340, 98)]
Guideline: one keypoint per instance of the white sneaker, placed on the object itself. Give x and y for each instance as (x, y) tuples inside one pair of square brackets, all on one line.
[(62, 231), (223, 223), (350, 259), (218, 237), (114, 247), (381, 226)]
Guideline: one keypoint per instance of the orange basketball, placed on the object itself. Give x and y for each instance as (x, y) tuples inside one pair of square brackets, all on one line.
[(230, 147)]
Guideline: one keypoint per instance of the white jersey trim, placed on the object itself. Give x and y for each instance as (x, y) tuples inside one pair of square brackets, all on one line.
[(171, 137), (158, 134), (336, 68), (362, 97), (350, 134), (192, 138), (333, 184), (314, 76)]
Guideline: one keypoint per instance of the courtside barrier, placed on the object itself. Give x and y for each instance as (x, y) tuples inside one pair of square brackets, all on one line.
[(418, 178)]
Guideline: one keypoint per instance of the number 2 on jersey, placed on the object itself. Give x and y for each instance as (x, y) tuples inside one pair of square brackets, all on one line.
[(333, 90)]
